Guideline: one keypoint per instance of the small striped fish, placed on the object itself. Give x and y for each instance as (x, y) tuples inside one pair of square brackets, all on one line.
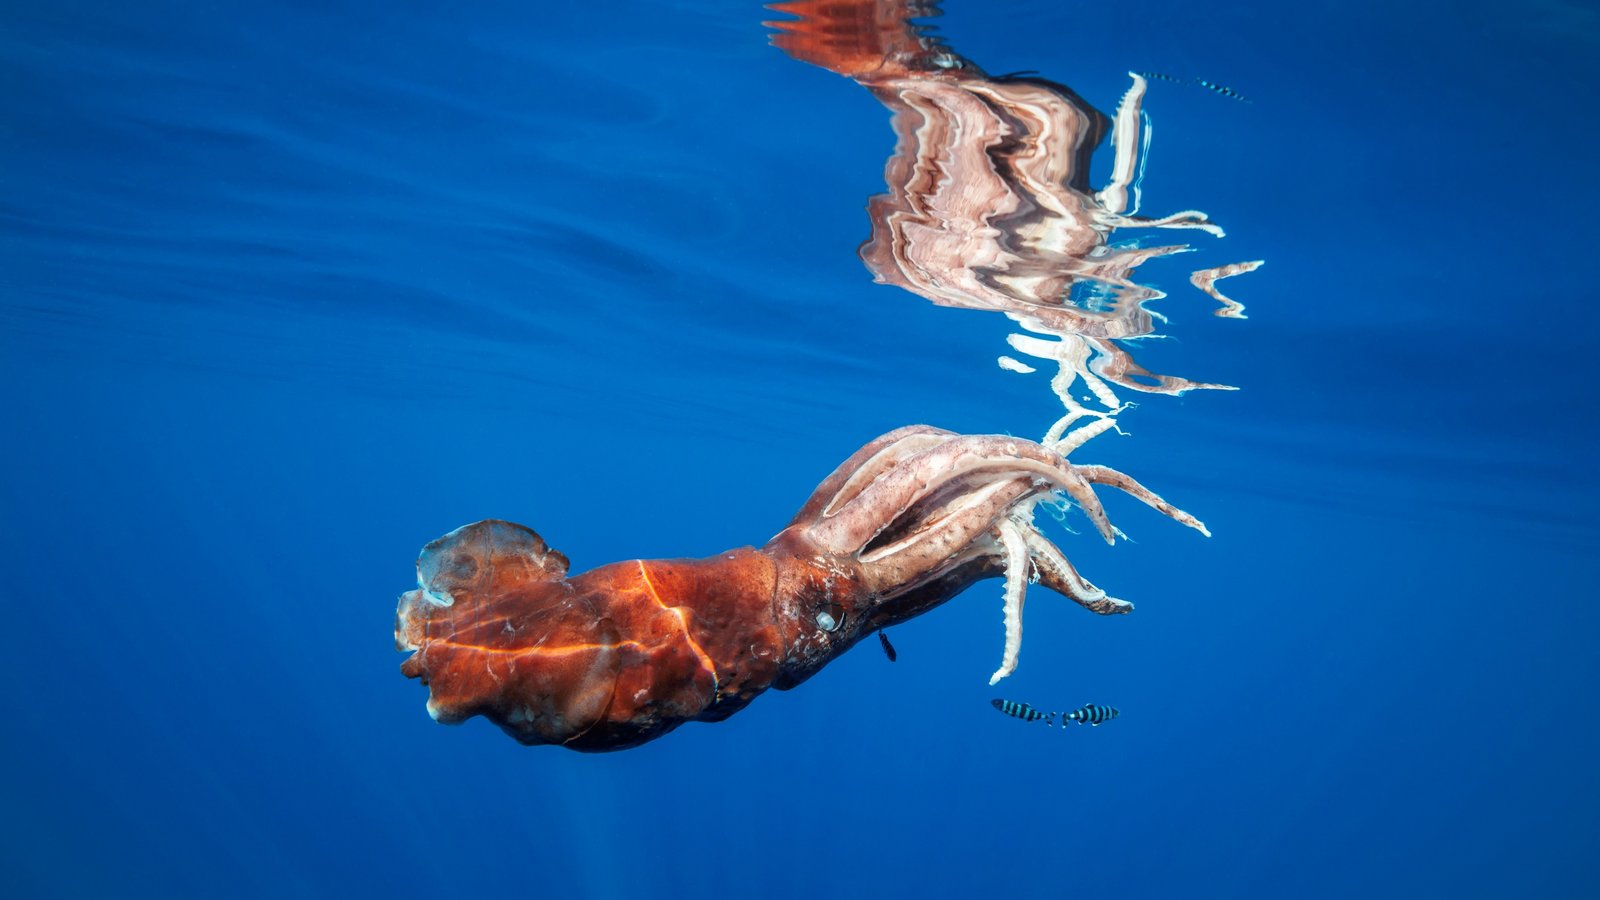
[(1022, 711), (1224, 91), (1091, 714), (1160, 76)]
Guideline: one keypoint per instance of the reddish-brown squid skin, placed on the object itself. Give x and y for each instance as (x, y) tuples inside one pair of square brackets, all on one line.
[(623, 653)]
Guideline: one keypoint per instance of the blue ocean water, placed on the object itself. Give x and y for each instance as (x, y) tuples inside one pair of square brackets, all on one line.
[(287, 292)]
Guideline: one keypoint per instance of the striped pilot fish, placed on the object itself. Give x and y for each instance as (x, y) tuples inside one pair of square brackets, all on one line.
[(1091, 714), (1023, 711)]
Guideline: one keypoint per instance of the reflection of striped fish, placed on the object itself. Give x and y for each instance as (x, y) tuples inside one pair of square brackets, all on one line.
[(1224, 91), (1092, 714), (1022, 711)]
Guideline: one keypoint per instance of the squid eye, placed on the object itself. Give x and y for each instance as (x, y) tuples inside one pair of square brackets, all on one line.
[(830, 617)]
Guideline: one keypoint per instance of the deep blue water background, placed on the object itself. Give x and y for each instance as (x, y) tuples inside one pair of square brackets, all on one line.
[(286, 293)]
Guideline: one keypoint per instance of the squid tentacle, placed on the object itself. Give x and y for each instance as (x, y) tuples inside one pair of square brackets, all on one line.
[(1015, 546), (1126, 484), (872, 459), (942, 536), (881, 462), (962, 458), (1057, 573)]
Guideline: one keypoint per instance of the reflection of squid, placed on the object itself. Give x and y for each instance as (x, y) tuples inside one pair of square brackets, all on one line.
[(989, 204), (619, 655)]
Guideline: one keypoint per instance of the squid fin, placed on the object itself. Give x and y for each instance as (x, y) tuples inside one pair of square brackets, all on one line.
[(471, 559)]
